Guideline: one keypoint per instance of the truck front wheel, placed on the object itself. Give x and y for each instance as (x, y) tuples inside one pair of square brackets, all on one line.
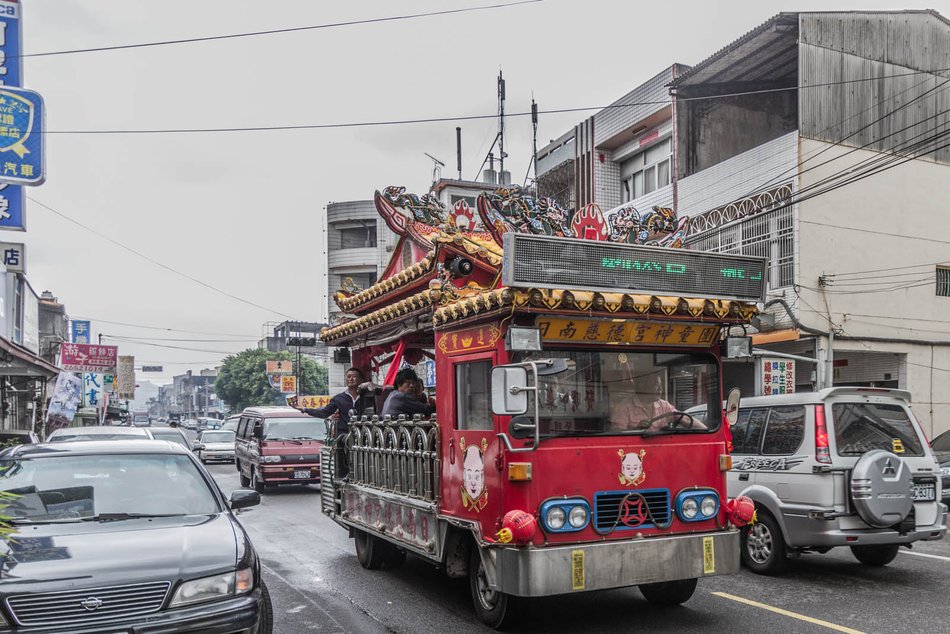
[(371, 551), (493, 608), (668, 592)]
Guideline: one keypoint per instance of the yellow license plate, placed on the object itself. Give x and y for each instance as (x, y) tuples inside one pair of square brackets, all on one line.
[(577, 569), (709, 556)]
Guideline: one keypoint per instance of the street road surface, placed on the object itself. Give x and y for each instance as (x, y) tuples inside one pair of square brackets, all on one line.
[(317, 585)]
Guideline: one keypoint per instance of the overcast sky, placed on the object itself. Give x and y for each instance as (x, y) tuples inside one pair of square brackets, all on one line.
[(243, 211)]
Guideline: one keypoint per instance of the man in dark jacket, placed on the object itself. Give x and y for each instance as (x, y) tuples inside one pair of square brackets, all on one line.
[(342, 403), (403, 400)]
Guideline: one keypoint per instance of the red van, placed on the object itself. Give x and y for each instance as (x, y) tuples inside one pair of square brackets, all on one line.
[(278, 445)]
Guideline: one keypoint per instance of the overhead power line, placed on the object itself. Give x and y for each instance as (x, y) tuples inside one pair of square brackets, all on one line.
[(157, 263), (189, 332), (162, 345), (455, 118), (293, 29)]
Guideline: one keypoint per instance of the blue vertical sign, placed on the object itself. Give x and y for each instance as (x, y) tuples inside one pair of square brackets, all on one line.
[(79, 331), (11, 69), (21, 137)]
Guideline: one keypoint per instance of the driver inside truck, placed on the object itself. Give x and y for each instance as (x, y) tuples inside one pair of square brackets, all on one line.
[(646, 409)]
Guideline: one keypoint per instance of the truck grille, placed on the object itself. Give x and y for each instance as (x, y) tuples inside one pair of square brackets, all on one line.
[(81, 607), (607, 507)]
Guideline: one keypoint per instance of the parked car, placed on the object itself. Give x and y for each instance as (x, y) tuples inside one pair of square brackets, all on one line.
[(278, 445), (17, 437), (72, 434), (215, 444), (941, 449), (189, 423), (126, 536), (172, 434), (841, 467), (206, 422), (231, 424)]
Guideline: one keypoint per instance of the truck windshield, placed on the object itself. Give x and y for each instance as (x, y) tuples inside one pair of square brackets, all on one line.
[(607, 392)]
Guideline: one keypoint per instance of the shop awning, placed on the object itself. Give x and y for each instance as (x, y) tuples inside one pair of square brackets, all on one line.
[(17, 361)]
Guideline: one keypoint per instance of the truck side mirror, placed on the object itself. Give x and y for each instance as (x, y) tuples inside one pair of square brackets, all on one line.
[(732, 406), (509, 396), (257, 432)]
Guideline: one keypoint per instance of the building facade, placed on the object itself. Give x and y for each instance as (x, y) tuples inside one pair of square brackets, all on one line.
[(359, 245), (817, 141)]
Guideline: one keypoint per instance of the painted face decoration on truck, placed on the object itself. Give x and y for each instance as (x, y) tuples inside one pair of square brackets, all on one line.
[(473, 492), (631, 468)]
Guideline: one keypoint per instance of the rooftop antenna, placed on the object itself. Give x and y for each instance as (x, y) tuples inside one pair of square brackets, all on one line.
[(501, 123), (437, 166)]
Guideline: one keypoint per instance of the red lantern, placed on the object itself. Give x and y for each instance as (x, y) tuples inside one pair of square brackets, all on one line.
[(517, 527), (741, 511)]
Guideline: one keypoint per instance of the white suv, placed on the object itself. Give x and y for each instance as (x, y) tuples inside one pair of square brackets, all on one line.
[(841, 467)]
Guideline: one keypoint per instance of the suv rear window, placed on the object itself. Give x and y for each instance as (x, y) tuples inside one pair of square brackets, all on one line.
[(861, 427)]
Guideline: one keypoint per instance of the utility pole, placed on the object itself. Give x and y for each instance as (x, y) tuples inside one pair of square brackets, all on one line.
[(501, 124)]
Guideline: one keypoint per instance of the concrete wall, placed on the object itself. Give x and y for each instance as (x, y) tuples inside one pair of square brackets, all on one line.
[(714, 130), (877, 242)]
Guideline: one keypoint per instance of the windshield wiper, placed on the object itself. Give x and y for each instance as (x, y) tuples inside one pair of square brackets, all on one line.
[(111, 517), (304, 438), (296, 442)]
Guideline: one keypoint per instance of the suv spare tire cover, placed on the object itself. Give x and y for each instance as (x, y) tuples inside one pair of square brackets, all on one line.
[(881, 488)]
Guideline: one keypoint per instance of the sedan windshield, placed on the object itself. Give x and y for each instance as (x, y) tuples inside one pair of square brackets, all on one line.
[(218, 436), (607, 392), (294, 429), (80, 488)]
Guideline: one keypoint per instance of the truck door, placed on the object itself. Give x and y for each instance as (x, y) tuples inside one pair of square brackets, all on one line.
[(470, 478)]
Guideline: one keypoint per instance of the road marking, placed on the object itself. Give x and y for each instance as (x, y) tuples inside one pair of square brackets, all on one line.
[(794, 615), (941, 557)]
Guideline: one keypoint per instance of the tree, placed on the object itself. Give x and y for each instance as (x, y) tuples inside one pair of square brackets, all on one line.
[(242, 381)]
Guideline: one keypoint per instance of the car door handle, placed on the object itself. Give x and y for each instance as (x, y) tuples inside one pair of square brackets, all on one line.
[(743, 476)]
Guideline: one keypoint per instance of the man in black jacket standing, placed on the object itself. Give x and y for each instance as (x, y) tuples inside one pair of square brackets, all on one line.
[(342, 403)]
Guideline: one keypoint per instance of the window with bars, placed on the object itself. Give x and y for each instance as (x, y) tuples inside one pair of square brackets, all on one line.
[(943, 281), (767, 235)]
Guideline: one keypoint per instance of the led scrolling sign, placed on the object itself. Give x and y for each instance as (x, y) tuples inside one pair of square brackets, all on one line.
[(554, 262)]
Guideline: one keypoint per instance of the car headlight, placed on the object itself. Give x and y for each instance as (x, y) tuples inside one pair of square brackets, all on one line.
[(708, 506), (690, 508), (555, 518), (945, 472), (213, 588), (270, 458), (577, 518)]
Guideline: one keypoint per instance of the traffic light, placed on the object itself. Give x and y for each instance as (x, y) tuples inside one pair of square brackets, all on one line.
[(302, 342)]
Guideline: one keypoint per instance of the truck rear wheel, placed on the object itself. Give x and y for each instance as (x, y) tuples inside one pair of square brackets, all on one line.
[(669, 592), (493, 608), (372, 552)]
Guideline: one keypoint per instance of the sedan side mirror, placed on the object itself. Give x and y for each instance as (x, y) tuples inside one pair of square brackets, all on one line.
[(197, 446), (243, 498)]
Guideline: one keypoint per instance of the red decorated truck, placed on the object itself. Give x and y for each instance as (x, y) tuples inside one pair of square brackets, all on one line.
[(568, 350)]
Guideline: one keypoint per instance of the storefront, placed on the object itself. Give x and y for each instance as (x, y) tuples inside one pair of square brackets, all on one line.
[(23, 387)]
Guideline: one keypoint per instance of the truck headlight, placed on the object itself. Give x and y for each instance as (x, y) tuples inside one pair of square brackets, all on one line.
[(270, 458), (697, 505), (564, 515), (213, 588), (690, 508), (555, 518), (577, 518)]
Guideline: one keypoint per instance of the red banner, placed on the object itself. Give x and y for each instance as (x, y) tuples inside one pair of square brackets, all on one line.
[(86, 357)]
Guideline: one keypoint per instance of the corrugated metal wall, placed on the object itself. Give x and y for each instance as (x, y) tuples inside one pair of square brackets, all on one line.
[(849, 92)]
